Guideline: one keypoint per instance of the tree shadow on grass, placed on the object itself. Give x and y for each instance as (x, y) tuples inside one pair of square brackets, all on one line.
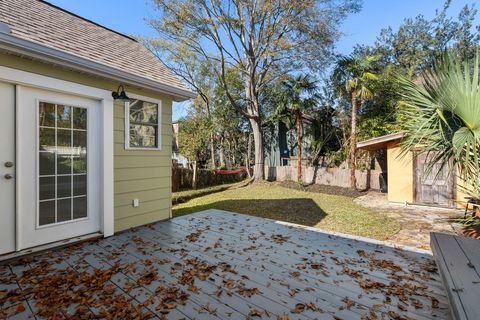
[(301, 211)]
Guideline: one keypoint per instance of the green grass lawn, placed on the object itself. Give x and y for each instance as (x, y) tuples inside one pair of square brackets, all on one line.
[(328, 212), (185, 195)]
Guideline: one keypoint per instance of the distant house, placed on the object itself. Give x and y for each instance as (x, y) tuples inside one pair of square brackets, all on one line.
[(280, 144), (177, 157), (407, 181), (85, 126), (276, 148)]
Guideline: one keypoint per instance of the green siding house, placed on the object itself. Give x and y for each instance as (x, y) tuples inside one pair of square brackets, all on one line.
[(77, 158)]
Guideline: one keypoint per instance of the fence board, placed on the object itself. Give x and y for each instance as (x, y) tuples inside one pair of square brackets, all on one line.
[(340, 177)]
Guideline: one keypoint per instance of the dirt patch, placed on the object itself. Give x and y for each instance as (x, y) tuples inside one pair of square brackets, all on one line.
[(319, 188)]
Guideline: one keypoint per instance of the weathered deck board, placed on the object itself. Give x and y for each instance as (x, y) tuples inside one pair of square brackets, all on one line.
[(258, 275), (459, 264), (18, 270), (339, 288), (214, 282), (296, 246), (128, 253), (298, 270), (174, 252)]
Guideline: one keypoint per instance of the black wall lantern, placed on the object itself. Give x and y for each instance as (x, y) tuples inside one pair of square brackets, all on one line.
[(120, 95)]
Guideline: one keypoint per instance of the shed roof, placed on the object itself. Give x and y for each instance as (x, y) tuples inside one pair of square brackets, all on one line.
[(380, 142), (42, 23)]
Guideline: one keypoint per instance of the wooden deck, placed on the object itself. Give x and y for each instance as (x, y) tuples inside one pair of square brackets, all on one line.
[(220, 265), (458, 259)]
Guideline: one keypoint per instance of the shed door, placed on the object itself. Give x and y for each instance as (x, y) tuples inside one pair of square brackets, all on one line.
[(436, 188)]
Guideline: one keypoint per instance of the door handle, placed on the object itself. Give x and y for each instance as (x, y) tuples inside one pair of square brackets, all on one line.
[(8, 176)]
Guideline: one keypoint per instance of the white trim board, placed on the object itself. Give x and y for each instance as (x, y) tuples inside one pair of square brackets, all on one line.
[(18, 77), (48, 246)]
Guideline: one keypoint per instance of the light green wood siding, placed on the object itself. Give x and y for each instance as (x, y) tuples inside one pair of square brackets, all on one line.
[(141, 174), (145, 175)]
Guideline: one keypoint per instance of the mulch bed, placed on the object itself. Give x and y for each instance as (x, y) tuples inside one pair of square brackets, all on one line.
[(320, 188)]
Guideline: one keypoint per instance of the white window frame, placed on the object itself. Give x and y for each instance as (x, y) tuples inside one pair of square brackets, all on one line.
[(127, 123)]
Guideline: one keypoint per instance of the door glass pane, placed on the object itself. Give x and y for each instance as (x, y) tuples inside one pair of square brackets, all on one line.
[(64, 163), (47, 114), (62, 157), (80, 185), (79, 118), (64, 186), (47, 188), (64, 210), (47, 163), (47, 212), (64, 139), (79, 163), (47, 139), (64, 116), (79, 207), (79, 140)]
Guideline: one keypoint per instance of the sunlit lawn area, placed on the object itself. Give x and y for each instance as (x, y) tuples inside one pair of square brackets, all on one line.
[(328, 212)]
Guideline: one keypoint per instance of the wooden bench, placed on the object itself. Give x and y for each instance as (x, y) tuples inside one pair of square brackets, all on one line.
[(458, 260)]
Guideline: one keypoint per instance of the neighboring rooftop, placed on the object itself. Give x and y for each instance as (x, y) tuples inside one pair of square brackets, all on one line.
[(48, 25), (380, 142)]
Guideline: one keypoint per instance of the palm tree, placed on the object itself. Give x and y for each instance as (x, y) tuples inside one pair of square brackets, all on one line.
[(354, 75), (442, 115), (297, 97)]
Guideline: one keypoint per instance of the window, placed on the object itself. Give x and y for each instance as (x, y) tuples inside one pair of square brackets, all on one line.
[(142, 126), (62, 161)]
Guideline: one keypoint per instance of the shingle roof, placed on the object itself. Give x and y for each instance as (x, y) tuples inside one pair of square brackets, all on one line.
[(51, 26)]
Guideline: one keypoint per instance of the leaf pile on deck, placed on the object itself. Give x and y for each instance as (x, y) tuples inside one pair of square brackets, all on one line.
[(139, 277), (280, 239), (54, 290)]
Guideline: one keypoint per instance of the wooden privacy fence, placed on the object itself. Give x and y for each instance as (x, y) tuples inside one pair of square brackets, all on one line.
[(182, 178), (340, 177)]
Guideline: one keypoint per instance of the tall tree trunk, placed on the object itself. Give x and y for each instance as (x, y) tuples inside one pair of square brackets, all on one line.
[(222, 152), (253, 110), (299, 144), (353, 142), (258, 169), (233, 151), (249, 155), (227, 157), (212, 150), (194, 178)]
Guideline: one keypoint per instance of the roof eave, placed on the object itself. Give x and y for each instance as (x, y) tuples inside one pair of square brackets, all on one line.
[(14, 44), (380, 142)]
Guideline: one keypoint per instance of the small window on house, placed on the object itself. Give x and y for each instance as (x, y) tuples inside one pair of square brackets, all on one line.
[(142, 125)]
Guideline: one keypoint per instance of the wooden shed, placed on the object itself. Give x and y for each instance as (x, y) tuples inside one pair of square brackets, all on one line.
[(407, 179)]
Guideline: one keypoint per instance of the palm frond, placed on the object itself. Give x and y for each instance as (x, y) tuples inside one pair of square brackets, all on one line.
[(443, 115)]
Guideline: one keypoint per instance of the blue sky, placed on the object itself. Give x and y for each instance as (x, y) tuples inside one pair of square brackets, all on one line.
[(128, 16)]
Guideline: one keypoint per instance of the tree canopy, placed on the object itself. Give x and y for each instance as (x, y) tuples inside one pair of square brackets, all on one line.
[(260, 39)]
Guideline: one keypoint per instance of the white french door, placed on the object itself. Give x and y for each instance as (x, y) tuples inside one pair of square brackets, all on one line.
[(7, 167), (58, 176)]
